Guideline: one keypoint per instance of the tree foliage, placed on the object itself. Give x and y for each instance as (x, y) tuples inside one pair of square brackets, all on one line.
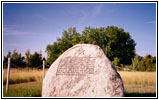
[(33, 60), (113, 40), (117, 44), (116, 62), (27, 57), (68, 39), (16, 58), (147, 63)]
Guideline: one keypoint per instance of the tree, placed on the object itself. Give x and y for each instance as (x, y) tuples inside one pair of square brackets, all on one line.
[(5, 59), (147, 63), (35, 60), (113, 40), (150, 63), (53, 52), (119, 44), (17, 60), (76, 38), (136, 63), (153, 60), (68, 39), (27, 57), (116, 62)]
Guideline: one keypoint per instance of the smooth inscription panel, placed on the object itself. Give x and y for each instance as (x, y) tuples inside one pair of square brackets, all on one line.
[(76, 66)]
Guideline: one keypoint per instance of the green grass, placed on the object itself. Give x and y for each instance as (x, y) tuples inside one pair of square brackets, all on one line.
[(28, 83), (34, 89), (30, 89)]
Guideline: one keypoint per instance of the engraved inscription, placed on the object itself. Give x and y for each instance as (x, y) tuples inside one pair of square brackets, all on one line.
[(76, 66)]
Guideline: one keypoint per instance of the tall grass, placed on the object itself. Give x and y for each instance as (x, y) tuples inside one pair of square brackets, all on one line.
[(29, 75), (135, 83), (28, 89), (139, 78), (19, 75)]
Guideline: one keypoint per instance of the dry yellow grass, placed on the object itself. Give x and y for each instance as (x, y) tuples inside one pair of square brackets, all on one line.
[(139, 83), (135, 83), (129, 78), (22, 75), (139, 78)]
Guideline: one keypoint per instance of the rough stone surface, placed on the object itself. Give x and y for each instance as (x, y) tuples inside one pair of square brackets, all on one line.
[(82, 71)]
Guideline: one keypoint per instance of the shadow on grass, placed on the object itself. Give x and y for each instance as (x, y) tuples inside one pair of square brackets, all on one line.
[(140, 94)]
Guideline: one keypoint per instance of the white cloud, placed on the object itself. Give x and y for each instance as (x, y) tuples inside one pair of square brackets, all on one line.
[(11, 30), (10, 44)]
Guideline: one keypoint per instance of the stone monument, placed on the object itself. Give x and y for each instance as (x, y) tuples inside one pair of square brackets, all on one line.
[(82, 71)]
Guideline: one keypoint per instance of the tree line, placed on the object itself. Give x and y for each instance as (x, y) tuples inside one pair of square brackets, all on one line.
[(147, 63), (29, 60), (113, 40), (117, 44)]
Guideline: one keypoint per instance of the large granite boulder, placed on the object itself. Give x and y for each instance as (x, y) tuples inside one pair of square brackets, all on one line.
[(82, 71)]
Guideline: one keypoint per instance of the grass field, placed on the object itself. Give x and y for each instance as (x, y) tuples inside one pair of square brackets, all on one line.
[(22, 75), (28, 83), (139, 78)]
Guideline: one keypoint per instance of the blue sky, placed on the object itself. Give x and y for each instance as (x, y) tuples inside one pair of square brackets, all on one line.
[(34, 26)]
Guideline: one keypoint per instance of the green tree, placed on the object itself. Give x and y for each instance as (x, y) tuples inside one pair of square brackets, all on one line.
[(116, 62), (53, 52), (35, 60), (5, 59), (153, 60), (27, 57), (147, 63), (76, 38), (119, 44), (68, 39), (136, 62), (150, 63), (113, 40), (141, 65), (17, 60)]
